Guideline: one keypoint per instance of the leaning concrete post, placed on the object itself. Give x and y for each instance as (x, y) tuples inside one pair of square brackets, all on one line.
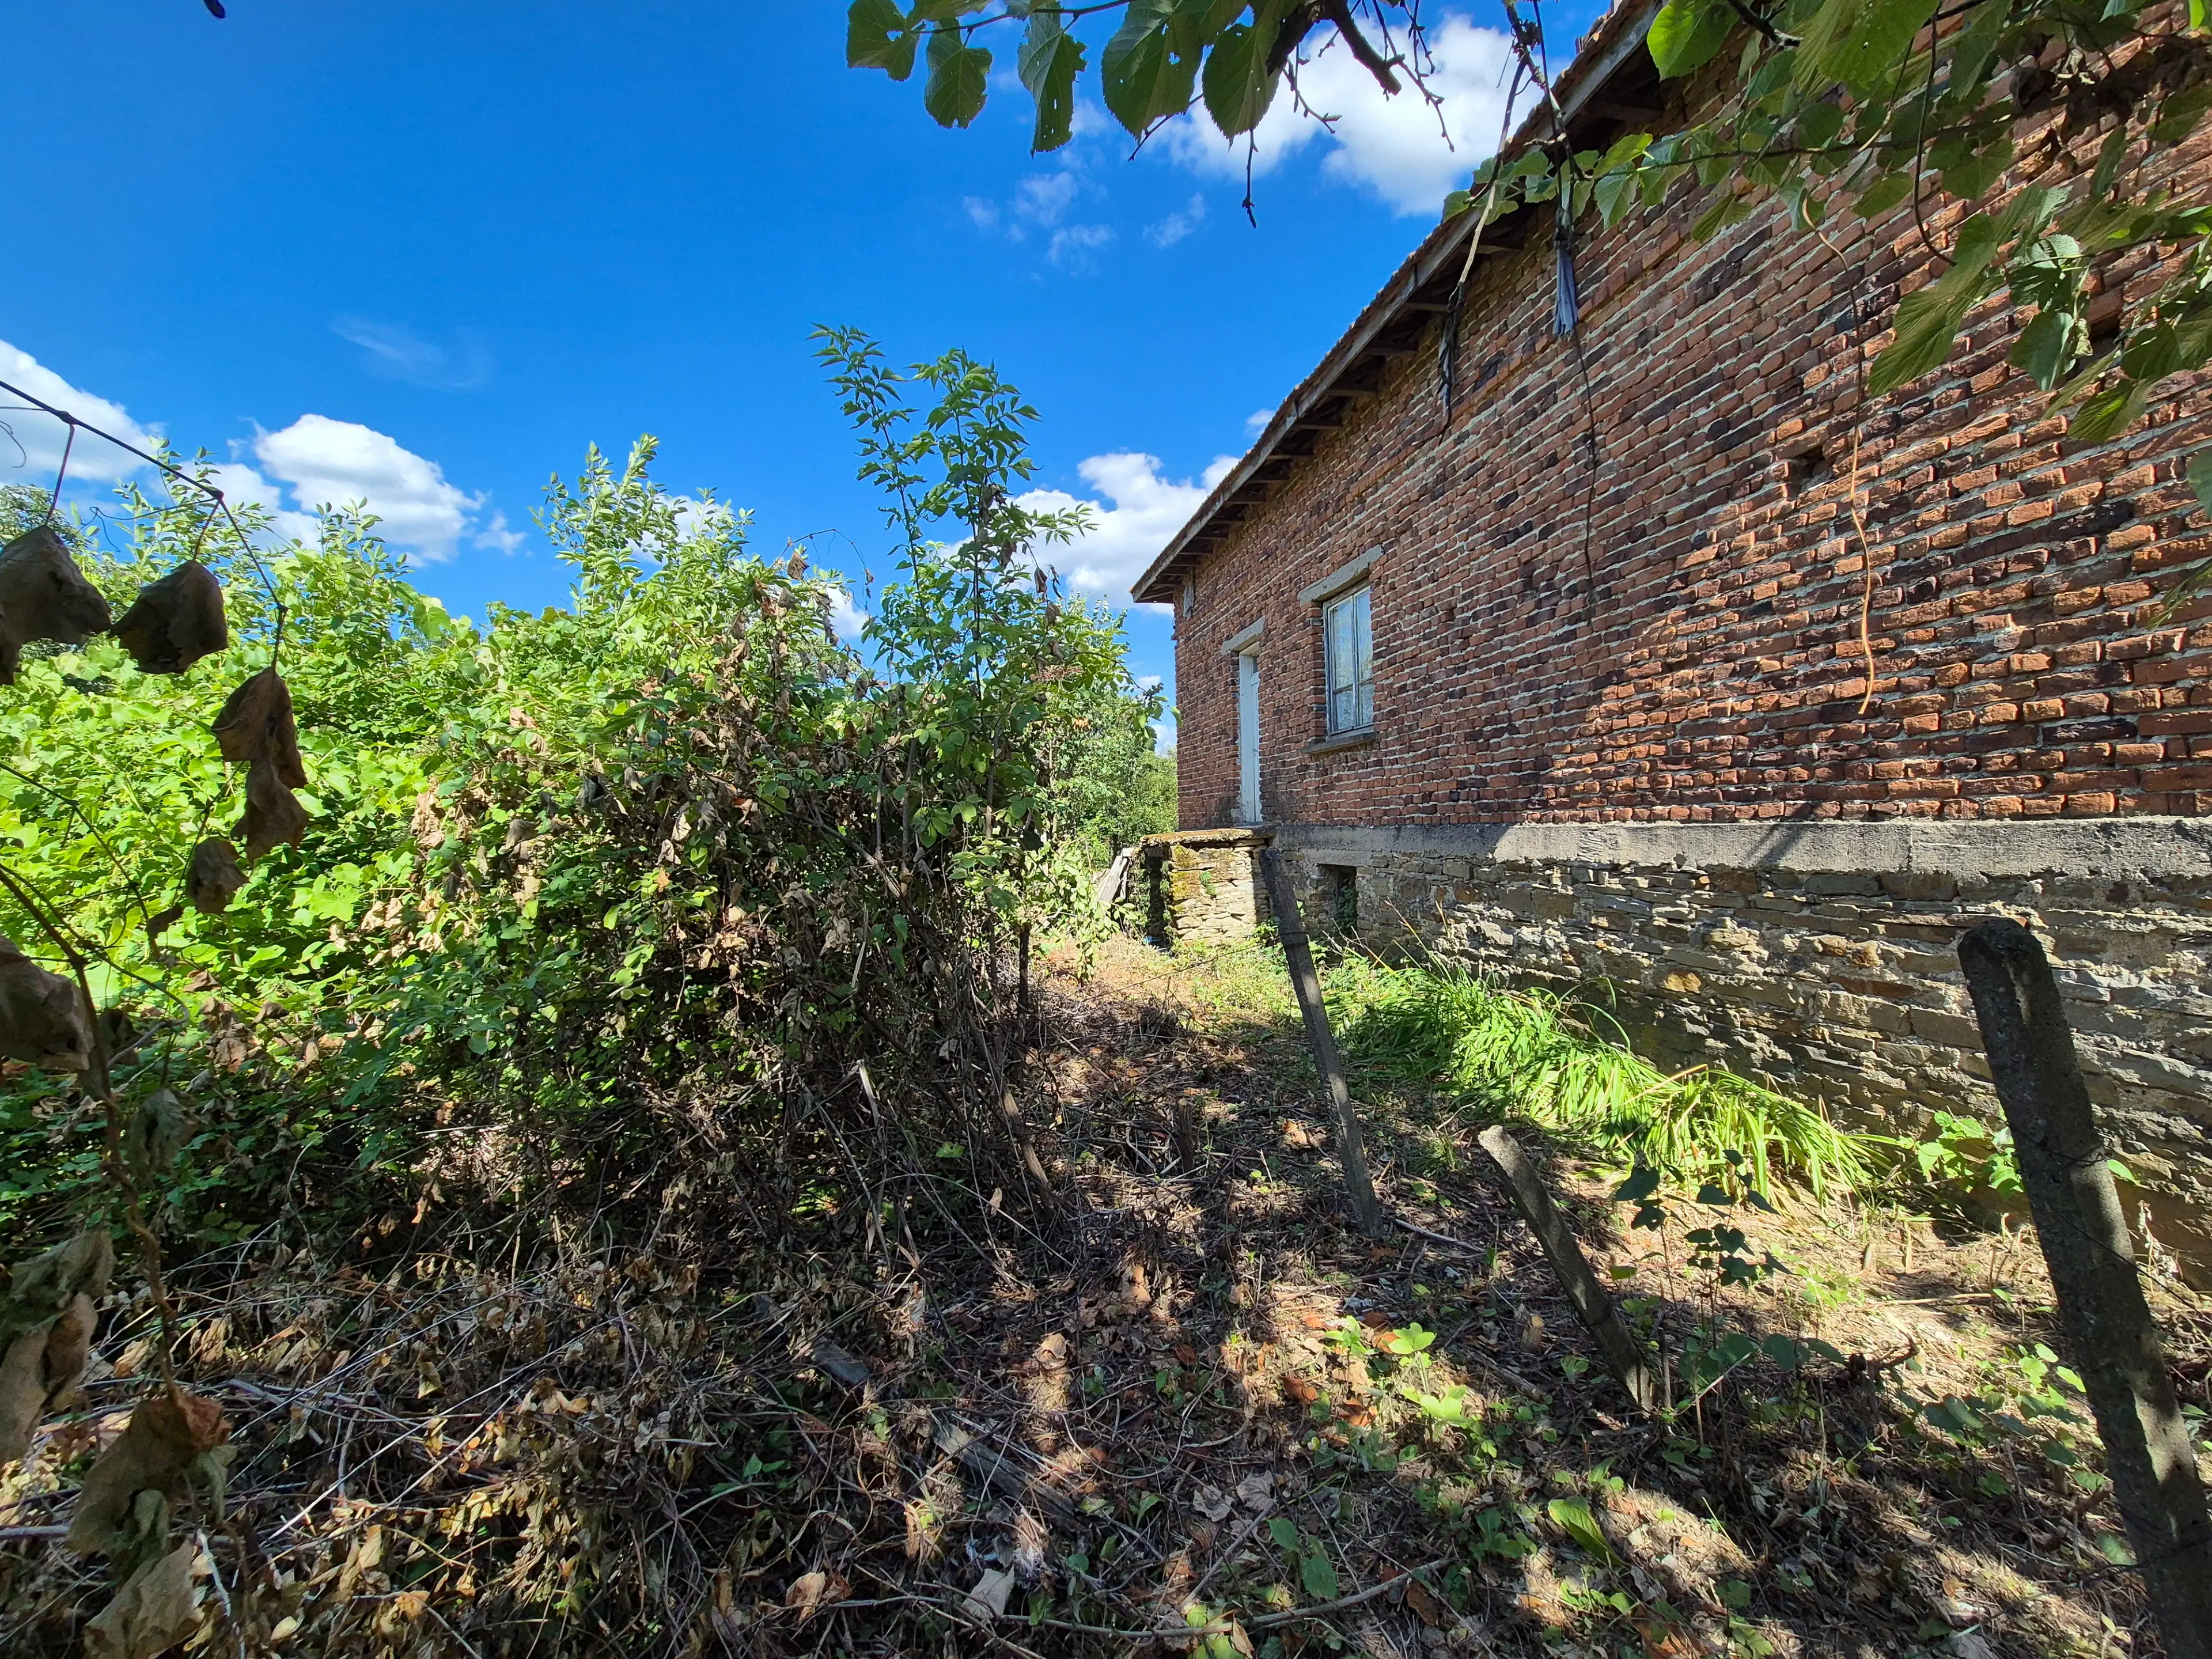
[(1624, 1358), (1291, 928), (2092, 1268)]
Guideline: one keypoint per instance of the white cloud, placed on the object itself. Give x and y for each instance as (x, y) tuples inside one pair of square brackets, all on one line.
[(1393, 147), (497, 537), (1045, 198), (1074, 244), (243, 486), (1123, 539), (397, 354), (40, 438), (1167, 232), (329, 463), (983, 213), (1256, 421), (846, 619)]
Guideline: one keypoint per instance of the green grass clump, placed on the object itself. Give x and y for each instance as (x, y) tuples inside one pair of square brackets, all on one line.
[(1546, 1057)]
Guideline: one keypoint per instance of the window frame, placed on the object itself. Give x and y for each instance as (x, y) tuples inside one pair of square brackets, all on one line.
[(1361, 690)]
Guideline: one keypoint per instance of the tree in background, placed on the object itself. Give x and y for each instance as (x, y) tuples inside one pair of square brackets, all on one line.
[(1828, 106)]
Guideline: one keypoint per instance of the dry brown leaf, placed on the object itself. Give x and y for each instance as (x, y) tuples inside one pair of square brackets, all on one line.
[(273, 812), (42, 1018), (1424, 1605), (155, 1610), (22, 1393), (166, 1434), (214, 877), (69, 1347), (811, 1592), (988, 1600), (256, 726), (43, 596), (176, 620)]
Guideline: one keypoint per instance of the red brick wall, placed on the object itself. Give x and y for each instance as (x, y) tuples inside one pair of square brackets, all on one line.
[(1695, 652)]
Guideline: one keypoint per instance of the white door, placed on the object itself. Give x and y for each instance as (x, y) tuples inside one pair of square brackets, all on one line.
[(1248, 737)]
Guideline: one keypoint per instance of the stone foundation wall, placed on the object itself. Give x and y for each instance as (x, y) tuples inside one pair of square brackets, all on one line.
[(1822, 956), (1203, 886)]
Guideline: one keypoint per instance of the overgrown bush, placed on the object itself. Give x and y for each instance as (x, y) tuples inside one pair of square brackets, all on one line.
[(575, 871)]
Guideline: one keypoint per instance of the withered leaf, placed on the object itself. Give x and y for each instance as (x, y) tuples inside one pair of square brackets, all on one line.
[(214, 877), (256, 724), (157, 1133), (37, 1369), (46, 1321), (166, 1434), (42, 1016), (22, 1393), (176, 620), (155, 1610), (69, 1347), (44, 596), (159, 923), (41, 1287), (273, 812)]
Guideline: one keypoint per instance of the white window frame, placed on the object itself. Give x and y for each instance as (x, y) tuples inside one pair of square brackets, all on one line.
[(1348, 653)]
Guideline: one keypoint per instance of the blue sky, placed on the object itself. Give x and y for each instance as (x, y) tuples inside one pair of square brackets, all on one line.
[(425, 253)]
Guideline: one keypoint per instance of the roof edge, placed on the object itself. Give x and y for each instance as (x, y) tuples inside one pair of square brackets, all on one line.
[(1610, 46)]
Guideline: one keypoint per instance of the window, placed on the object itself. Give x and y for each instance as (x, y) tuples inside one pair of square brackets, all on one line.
[(1340, 885), (1351, 663)]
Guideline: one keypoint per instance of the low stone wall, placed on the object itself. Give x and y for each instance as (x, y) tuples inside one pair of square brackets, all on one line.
[(1203, 886), (1823, 957)]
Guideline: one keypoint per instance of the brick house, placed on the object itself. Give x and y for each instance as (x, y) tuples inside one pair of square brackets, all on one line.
[(1578, 686)]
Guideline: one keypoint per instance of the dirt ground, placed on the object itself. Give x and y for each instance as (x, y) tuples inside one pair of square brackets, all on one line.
[(1186, 1407)]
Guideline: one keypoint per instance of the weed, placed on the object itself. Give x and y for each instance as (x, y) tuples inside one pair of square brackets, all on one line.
[(1550, 1058)]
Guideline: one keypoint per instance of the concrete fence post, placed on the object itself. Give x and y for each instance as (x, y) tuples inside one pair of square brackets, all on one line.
[(1297, 952), (2084, 1235)]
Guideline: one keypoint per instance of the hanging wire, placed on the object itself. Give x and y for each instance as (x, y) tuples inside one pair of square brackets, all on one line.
[(68, 443), (221, 506)]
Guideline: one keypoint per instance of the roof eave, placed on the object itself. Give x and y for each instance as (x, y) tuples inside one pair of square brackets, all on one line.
[(1610, 48)]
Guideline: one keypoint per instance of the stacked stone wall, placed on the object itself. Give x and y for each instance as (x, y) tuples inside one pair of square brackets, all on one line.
[(1823, 957), (1203, 887)]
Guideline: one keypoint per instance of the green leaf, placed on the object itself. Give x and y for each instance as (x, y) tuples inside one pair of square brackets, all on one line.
[(877, 37), (1644, 1180), (1710, 1194), (1050, 61), (2045, 351), (1858, 41), (1688, 33), (1885, 193), (2200, 477), (1974, 176), (1976, 46), (2178, 116), (1318, 1577), (1572, 1516), (2109, 413), (1144, 77), (1285, 1532), (1818, 124), (1783, 1352), (1927, 319), (959, 78), (1238, 88), (1730, 209)]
